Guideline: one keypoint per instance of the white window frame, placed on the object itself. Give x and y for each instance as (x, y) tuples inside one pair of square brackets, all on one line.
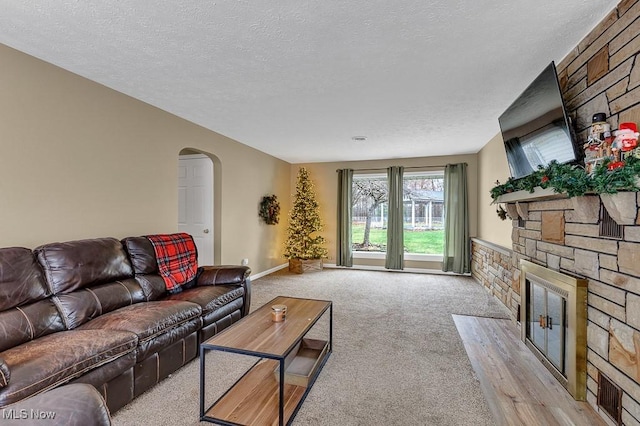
[(407, 256)]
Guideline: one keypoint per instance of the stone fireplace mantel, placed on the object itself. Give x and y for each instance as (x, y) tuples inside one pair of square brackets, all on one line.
[(538, 194), (621, 206)]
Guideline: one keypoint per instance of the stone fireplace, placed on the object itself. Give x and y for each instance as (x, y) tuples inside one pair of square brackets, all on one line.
[(562, 235), (601, 74)]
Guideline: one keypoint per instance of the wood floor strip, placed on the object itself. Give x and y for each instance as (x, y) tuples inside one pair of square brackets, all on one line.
[(518, 388)]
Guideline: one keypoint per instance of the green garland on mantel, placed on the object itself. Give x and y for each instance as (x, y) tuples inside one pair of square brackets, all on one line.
[(573, 180)]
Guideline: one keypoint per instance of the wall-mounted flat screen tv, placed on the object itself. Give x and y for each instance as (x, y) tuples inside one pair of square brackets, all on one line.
[(536, 128)]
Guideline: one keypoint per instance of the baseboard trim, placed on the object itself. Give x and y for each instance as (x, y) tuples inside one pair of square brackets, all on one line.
[(363, 268), (269, 271), (383, 269)]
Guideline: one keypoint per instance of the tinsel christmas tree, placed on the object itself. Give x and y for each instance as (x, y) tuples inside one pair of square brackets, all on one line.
[(304, 220)]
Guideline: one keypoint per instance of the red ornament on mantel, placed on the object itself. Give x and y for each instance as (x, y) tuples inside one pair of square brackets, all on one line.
[(627, 136), (615, 165)]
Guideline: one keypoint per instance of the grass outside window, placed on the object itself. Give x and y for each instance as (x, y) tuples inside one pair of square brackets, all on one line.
[(415, 242)]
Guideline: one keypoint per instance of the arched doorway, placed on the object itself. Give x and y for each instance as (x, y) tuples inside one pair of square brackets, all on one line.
[(196, 202)]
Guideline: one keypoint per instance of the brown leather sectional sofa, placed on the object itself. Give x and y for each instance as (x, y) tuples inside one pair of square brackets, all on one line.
[(76, 404), (97, 312)]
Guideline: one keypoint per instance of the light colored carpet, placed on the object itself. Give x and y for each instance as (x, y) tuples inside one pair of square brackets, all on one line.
[(397, 357)]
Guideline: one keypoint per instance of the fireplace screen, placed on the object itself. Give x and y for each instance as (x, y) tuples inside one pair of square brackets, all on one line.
[(554, 324), (547, 323)]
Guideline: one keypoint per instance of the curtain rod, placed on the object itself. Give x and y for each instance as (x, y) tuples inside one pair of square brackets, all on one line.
[(382, 169)]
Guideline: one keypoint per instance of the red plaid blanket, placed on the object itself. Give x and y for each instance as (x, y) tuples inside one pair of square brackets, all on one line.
[(177, 259)]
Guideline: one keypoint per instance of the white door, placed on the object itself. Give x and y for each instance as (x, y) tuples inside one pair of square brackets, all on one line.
[(195, 203)]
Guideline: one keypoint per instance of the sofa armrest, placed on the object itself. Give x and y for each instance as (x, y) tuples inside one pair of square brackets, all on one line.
[(222, 275), (228, 275), (5, 374)]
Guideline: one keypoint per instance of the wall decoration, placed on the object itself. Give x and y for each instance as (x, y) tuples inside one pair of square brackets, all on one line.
[(270, 209)]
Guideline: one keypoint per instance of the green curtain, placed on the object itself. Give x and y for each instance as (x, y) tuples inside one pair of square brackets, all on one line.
[(344, 255), (456, 256), (395, 237)]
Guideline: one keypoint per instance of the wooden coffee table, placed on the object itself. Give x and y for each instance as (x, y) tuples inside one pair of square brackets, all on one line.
[(272, 391)]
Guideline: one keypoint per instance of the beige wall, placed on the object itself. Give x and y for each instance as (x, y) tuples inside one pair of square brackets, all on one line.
[(492, 166), (78, 160), (325, 179)]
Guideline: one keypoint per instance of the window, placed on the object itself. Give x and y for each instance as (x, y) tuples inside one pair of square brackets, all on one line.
[(423, 212)]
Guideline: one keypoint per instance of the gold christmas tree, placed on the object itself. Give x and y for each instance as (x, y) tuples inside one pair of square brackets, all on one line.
[(304, 220)]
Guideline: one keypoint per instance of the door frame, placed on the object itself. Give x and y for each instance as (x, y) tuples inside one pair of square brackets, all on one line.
[(217, 190)]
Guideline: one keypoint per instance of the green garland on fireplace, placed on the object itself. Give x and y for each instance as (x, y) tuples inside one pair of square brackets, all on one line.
[(574, 180)]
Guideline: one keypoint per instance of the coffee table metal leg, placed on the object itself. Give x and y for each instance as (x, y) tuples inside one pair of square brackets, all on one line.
[(202, 352), (331, 327), (281, 392)]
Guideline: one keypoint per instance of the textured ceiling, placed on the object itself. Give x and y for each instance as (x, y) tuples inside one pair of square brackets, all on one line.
[(298, 79)]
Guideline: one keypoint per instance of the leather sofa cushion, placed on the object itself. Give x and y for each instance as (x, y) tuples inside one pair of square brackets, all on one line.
[(162, 342), (142, 255), (57, 358), (27, 322), (102, 377), (21, 279), (209, 298), (116, 295), (153, 286), (217, 317), (83, 305), (147, 320), (145, 266), (73, 265), (74, 405)]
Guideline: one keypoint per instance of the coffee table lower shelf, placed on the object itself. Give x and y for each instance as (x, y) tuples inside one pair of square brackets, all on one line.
[(259, 397), (254, 399)]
